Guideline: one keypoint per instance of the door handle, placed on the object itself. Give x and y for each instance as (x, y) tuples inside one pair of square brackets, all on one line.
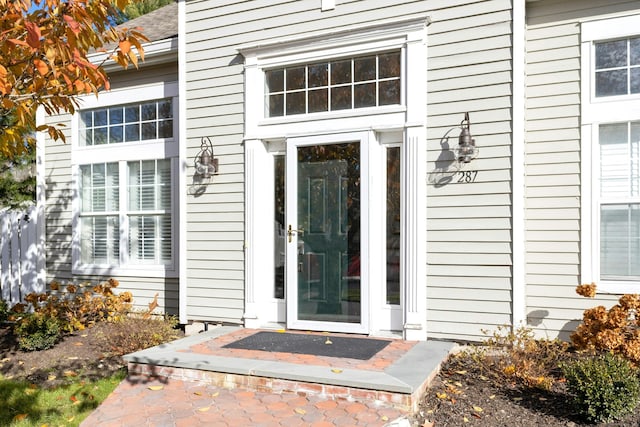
[(291, 232)]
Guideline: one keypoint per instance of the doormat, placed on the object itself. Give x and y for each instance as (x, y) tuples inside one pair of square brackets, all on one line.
[(317, 345)]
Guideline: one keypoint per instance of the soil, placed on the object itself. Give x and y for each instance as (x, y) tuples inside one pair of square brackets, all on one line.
[(83, 354), (462, 396)]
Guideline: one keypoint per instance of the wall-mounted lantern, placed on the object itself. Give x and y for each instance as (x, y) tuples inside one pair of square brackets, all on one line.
[(466, 149), (204, 162)]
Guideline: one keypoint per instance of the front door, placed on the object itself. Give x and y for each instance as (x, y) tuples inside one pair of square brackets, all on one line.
[(323, 216)]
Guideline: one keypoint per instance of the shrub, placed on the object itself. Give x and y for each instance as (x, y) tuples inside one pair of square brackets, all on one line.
[(4, 311), (37, 332), (604, 388), (614, 330), (517, 354), (136, 333)]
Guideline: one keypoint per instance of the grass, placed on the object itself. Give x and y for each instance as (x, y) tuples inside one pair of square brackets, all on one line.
[(25, 404)]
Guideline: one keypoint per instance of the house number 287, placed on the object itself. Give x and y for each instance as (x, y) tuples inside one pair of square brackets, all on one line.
[(465, 177)]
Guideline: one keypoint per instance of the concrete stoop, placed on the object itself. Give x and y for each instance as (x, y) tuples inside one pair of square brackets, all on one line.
[(401, 384)]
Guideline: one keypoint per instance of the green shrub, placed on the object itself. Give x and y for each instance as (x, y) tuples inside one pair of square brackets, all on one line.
[(4, 311), (37, 332), (604, 388)]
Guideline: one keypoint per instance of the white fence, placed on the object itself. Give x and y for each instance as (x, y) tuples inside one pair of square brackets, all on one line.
[(21, 255)]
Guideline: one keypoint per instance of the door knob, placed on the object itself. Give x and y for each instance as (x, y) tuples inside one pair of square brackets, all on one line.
[(291, 232)]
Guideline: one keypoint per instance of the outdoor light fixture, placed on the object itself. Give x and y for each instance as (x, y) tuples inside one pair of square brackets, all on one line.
[(204, 163), (466, 149)]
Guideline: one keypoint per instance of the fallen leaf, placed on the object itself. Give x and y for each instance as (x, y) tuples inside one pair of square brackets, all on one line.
[(542, 399), (69, 374), (155, 387), (453, 400), (461, 372), (328, 341), (477, 409), (204, 408), (441, 395), (336, 371), (72, 358), (458, 383), (6, 359), (493, 396), (30, 391), (517, 399), (216, 394), (71, 418), (20, 417), (384, 418), (20, 362), (74, 400), (197, 393), (476, 415), (78, 343), (84, 335), (51, 377), (483, 378), (465, 419), (300, 411)]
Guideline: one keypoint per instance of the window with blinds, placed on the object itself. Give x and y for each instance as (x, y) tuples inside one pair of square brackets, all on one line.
[(619, 145), (145, 218)]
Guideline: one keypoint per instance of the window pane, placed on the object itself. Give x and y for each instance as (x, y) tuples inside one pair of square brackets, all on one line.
[(364, 69), (115, 116), (393, 225), (279, 226), (100, 136), (634, 48), (86, 118), (318, 100), (364, 95), (620, 241), (132, 132), (276, 105), (148, 111), (132, 114), (635, 80), (389, 92), (100, 117), (274, 80), (148, 131), (318, 75), (340, 72), (610, 83), (99, 240), (389, 65), (116, 134), (296, 103), (164, 109), (614, 160), (340, 98), (296, 78), (165, 129), (611, 54)]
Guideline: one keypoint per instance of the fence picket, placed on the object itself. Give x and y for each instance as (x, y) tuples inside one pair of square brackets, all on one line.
[(19, 255)]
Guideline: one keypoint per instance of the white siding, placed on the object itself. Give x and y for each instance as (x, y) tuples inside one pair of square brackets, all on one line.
[(552, 162), (60, 191), (469, 224)]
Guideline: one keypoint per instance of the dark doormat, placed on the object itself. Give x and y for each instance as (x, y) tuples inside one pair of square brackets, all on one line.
[(317, 345)]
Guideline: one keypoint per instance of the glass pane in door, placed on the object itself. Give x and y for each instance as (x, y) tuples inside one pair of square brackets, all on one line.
[(329, 240)]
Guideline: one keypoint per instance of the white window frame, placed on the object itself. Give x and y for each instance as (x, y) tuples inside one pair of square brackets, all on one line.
[(596, 111), (122, 153)]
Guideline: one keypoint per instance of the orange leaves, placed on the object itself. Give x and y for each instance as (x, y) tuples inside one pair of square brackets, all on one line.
[(125, 46), (588, 291), (72, 24), (33, 34), (41, 66)]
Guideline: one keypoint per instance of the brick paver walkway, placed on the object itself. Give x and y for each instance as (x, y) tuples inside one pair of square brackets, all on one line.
[(180, 403)]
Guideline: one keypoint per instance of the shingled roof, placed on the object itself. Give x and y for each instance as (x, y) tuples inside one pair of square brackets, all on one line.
[(157, 25)]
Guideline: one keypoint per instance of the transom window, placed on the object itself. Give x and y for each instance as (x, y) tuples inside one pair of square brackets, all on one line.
[(367, 81), (617, 67), (145, 217), (127, 123)]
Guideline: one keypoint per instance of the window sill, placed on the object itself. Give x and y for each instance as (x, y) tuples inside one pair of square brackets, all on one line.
[(155, 271), (618, 287)]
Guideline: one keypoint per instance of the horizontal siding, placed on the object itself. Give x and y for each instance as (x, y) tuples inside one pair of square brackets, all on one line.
[(469, 224), (552, 158)]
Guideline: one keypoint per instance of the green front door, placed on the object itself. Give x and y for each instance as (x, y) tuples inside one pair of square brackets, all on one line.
[(324, 219)]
